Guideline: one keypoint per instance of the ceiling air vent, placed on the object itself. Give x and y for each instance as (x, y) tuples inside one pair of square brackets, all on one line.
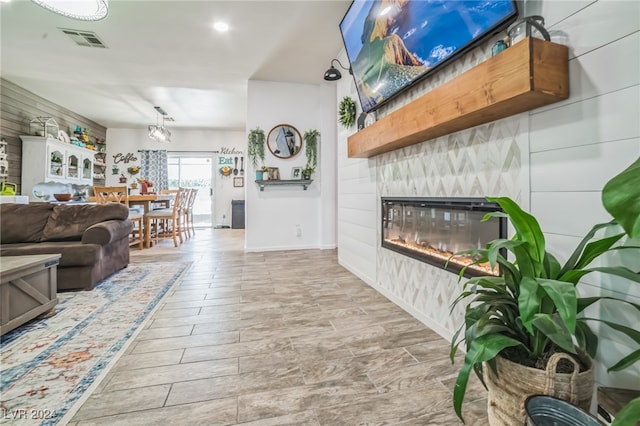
[(84, 38)]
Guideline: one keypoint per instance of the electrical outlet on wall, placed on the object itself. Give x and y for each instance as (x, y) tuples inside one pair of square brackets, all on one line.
[(298, 231)]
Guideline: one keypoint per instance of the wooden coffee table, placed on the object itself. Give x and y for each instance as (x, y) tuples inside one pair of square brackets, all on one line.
[(28, 288)]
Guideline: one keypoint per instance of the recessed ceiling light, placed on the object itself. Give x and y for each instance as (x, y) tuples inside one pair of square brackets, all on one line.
[(221, 27)]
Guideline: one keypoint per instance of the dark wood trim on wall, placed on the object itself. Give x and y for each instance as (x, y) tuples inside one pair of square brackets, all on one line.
[(18, 107)]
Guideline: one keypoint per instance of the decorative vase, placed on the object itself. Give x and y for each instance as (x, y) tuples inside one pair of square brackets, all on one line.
[(515, 383), (259, 175), (143, 188), (265, 175)]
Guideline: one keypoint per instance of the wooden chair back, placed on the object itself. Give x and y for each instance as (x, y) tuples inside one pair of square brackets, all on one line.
[(169, 191), (111, 194), (120, 194)]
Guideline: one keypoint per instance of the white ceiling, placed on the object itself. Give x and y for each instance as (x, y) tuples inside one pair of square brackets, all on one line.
[(166, 53)]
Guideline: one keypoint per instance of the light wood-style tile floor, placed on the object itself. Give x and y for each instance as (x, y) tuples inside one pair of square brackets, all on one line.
[(276, 338)]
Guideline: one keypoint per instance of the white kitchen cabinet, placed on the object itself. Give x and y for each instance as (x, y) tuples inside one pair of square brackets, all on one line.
[(45, 159)]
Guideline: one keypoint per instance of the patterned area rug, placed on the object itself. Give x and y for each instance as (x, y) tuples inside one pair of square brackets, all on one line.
[(49, 363)]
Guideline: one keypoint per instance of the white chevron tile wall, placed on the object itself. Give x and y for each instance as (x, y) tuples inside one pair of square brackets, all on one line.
[(483, 161)]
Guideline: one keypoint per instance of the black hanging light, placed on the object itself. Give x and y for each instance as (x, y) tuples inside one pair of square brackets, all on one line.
[(333, 73)]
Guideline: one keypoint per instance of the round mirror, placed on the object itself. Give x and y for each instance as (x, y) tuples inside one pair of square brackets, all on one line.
[(284, 141)]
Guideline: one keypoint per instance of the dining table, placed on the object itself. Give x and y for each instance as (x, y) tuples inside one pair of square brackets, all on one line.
[(146, 200)]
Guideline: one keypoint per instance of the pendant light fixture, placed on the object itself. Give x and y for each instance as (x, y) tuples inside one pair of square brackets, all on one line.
[(159, 133)]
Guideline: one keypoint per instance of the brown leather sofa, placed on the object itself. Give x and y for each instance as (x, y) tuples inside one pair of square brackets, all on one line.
[(92, 239)]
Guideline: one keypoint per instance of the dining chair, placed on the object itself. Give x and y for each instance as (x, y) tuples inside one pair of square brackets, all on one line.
[(165, 223), (189, 211), (164, 205), (183, 222), (120, 194)]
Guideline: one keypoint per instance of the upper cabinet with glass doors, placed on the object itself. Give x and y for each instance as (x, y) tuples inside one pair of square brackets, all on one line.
[(45, 159)]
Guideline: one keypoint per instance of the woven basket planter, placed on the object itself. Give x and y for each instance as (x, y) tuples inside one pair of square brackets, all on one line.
[(515, 382)]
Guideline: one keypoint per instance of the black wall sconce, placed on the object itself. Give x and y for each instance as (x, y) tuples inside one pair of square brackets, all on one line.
[(333, 73)]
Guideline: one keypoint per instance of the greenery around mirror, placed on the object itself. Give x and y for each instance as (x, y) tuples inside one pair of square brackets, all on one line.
[(347, 112), (311, 149), (533, 308), (255, 149)]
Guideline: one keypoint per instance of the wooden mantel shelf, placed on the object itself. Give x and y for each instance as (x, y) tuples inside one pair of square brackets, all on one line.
[(527, 75)]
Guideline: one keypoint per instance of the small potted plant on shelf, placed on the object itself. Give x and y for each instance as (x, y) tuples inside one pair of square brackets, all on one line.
[(262, 173), (518, 325), (307, 172)]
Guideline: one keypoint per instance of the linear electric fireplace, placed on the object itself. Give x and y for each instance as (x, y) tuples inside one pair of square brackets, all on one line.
[(432, 229)]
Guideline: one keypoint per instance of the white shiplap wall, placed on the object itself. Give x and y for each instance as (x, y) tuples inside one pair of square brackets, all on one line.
[(574, 147), (357, 200), (580, 143)]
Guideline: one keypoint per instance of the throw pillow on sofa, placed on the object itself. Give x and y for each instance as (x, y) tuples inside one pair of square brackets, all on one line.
[(23, 223), (68, 222)]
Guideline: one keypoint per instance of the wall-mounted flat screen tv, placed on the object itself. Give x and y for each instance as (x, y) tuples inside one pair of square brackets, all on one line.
[(392, 44)]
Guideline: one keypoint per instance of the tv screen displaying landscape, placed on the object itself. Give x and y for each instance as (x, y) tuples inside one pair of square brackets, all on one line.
[(392, 44)]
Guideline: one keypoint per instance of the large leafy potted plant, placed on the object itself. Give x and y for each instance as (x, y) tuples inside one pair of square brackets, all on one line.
[(532, 310)]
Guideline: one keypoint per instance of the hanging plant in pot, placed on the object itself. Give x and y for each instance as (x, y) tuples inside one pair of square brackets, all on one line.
[(255, 149), (519, 326), (311, 149), (347, 112)]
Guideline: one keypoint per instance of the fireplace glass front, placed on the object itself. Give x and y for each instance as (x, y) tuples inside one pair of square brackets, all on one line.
[(433, 229)]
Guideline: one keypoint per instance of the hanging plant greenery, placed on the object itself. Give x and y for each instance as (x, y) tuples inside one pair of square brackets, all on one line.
[(311, 148), (255, 149), (347, 112)]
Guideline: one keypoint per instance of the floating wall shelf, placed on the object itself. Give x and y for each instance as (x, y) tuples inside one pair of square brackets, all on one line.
[(304, 183), (527, 75)]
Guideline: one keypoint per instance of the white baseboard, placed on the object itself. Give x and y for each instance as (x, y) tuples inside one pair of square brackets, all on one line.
[(364, 277), (446, 334), (284, 248)]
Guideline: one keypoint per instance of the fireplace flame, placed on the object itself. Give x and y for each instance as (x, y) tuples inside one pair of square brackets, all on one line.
[(425, 249)]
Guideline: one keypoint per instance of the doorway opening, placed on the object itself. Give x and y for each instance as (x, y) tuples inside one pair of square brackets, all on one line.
[(194, 170)]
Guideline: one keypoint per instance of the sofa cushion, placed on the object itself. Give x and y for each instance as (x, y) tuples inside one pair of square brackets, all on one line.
[(104, 233), (73, 253), (23, 223), (68, 222)]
